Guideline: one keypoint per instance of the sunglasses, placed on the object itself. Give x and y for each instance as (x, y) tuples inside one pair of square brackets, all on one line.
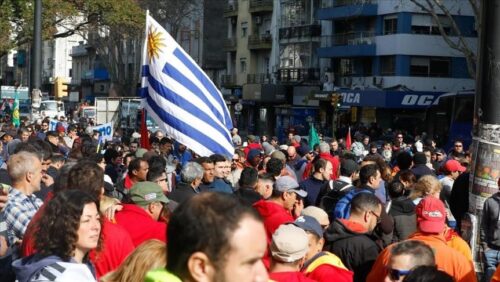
[(377, 216), (396, 274)]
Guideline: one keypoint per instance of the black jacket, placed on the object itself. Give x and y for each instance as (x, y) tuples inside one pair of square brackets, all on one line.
[(405, 221), (182, 192), (247, 196), (358, 251), (490, 225)]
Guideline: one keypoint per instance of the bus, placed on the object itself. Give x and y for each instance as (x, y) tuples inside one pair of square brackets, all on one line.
[(451, 117)]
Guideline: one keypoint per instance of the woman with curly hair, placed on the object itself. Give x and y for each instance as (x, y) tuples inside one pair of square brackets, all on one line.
[(69, 229)]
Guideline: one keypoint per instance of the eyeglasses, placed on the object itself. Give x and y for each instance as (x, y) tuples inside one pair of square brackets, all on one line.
[(396, 274), (377, 216), (400, 137)]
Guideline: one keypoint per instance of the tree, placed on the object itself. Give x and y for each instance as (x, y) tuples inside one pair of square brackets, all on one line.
[(454, 39), (172, 13)]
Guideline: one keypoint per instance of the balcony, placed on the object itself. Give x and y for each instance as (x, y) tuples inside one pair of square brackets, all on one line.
[(257, 6), (291, 75), (231, 9), (300, 32), (350, 38), (230, 44), (258, 78), (259, 42), (228, 81), (340, 9)]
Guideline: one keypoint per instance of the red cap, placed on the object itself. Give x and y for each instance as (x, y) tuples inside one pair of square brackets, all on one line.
[(453, 165), (431, 215), (60, 128)]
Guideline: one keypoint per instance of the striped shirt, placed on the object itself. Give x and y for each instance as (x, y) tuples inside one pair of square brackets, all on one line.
[(18, 212)]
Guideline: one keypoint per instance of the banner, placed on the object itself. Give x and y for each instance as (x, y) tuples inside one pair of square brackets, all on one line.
[(105, 130)]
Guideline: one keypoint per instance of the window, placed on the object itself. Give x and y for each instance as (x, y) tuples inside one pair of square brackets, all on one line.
[(244, 29), (431, 67), (388, 65), (243, 65), (390, 24), (70, 73), (346, 67), (425, 24)]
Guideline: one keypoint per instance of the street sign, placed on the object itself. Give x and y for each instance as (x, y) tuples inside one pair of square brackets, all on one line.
[(9, 92)]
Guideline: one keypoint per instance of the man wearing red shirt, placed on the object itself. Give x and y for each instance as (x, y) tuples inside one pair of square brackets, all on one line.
[(324, 153), (141, 218)]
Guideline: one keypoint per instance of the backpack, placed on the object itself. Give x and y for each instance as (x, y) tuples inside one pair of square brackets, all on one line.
[(337, 190), (343, 206)]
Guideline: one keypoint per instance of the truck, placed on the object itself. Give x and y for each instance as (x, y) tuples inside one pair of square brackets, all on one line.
[(123, 112)]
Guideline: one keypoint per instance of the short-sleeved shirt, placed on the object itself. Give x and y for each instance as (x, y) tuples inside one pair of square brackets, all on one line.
[(18, 211)]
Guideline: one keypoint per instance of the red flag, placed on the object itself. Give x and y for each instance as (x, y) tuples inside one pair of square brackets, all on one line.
[(348, 140), (144, 132)]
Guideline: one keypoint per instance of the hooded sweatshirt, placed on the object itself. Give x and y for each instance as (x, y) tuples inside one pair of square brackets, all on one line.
[(353, 245), (405, 221), (273, 214), (52, 268)]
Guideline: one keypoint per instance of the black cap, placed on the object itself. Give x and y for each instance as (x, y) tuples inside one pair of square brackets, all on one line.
[(348, 167)]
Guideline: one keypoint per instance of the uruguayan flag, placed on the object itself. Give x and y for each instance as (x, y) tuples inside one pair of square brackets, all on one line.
[(180, 97)]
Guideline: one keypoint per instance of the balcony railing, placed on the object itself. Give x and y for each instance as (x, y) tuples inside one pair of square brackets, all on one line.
[(305, 31), (298, 74), (260, 41), (228, 80), (260, 6), (259, 78), (338, 3), (230, 44), (231, 9), (350, 38)]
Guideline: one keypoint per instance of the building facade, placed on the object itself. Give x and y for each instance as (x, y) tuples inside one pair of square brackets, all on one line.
[(389, 58)]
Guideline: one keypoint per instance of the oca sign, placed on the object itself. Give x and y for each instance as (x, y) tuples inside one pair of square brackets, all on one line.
[(419, 100), (105, 130)]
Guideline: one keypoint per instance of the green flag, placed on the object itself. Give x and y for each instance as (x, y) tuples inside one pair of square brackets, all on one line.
[(15, 111), (313, 136)]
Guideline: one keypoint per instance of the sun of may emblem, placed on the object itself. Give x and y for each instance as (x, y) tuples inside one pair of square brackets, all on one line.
[(155, 43)]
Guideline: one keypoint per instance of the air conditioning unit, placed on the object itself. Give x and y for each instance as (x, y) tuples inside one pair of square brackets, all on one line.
[(258, 20)]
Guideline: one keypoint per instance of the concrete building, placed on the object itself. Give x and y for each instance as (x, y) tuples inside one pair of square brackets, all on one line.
[(390, 59)]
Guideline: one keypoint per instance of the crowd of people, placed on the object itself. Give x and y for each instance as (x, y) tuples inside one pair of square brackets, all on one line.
[(75, 208)]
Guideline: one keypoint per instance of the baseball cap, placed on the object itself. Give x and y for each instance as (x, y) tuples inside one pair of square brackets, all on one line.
[(253, 153), (289, 243), (146, 192), (453, 165), (431, 215), (309, 224), (319, 214), (288, 184), (279, 155), (251, 138), (439, 151)]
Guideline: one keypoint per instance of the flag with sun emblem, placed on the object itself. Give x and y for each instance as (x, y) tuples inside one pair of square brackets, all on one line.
[(180, 97)]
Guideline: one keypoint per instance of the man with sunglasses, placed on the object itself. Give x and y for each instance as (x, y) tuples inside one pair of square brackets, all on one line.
[(405, 256), (431, 217), (351, 239)]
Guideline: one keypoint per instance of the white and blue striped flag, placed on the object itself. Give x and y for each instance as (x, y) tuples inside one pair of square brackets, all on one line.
[(180, 97)]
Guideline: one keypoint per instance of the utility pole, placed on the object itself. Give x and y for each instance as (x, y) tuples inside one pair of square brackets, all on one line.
[(36, 65), (486, 140)]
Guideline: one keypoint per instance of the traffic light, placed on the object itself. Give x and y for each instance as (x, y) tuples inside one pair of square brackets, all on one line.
[(336, 100), (60, 88)]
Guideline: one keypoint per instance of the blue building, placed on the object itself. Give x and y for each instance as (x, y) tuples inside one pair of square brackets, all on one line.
[(389, 58)]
